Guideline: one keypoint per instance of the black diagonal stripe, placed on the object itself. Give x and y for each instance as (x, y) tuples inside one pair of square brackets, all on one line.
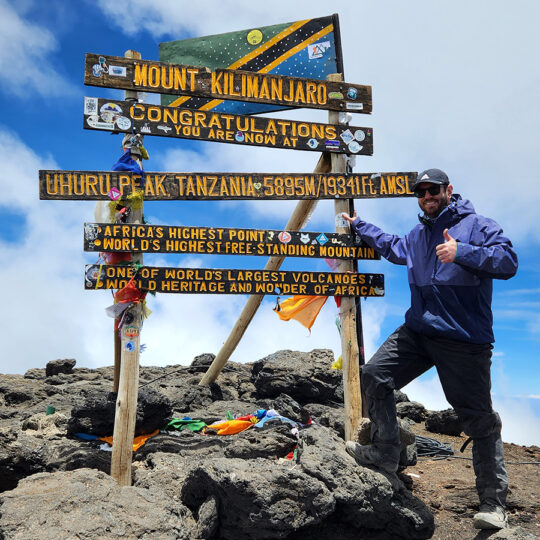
[(263, 59), (288, 42)]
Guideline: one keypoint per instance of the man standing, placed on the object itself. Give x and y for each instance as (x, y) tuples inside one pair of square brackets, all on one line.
[(452, 257)]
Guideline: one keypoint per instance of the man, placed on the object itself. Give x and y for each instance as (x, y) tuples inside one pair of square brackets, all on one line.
[(452, 257)]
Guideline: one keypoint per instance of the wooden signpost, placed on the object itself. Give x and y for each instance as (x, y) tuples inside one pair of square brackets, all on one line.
[(222, 241), (124, 117), (231, 281), (330, 180), (188, 186), (178, 79)]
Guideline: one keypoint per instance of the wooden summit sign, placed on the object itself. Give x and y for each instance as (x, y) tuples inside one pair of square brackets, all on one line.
[(225, 281), (222, 241), (166, 186), (178, 79), (123, 116)]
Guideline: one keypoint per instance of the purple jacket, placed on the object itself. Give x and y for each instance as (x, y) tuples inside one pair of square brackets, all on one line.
[(449, 299)]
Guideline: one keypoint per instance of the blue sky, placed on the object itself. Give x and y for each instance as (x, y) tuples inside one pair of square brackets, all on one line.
[(454, 86)]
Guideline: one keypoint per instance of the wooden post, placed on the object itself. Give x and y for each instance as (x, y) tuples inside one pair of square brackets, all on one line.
[(128, 383), (296, 222), (129, 94), (349, 341)]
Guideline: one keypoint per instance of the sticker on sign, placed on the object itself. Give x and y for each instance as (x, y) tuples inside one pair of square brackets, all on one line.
[(317, 50)]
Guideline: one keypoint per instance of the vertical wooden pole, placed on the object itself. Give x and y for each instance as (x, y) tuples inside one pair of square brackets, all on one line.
[(128, 383), (349, 341), (295, 223), (129, 94)]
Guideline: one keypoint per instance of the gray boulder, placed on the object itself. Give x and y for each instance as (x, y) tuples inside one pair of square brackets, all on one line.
[(306, 377), (55, 367), (412, 410), (445, 422), (88, 504)]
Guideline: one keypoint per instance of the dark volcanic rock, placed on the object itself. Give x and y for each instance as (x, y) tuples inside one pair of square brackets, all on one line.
[(445, 422), (411, 409), (96, 415), (306, 377), (258, 501), (286, 406), (400, 396), (55, 367)]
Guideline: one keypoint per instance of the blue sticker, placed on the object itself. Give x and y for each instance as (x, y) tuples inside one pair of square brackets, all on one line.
[(97, 70), (352, 93), (239, 136), (313, 143), (130, 346), (322, 239)]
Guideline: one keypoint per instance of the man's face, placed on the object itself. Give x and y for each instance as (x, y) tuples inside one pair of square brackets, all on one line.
[(433, 205)]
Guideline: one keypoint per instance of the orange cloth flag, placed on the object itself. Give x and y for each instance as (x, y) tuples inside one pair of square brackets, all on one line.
[(231, 427), (303, 309), (137, 441)]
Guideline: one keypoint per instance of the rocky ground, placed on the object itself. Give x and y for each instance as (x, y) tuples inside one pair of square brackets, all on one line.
[(191, 485)]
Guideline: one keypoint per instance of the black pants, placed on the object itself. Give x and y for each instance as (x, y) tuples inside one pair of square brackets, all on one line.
[(464, 372)]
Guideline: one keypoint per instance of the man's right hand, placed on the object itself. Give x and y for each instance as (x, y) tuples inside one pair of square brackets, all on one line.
[(349, 218)]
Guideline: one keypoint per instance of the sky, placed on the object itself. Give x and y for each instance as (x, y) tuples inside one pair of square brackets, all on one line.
[(454, 87)]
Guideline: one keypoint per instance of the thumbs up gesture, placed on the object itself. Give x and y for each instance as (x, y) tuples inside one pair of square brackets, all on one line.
[(447, 251)]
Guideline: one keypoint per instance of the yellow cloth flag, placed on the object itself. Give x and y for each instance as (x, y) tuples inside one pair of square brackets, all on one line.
[(303, 309)]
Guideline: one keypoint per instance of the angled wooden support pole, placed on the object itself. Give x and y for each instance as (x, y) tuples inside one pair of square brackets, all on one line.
[(127, 349), (296, 222), (349, 340)]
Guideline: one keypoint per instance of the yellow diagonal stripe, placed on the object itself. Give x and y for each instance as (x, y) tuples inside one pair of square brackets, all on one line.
[(297, 48), (237, 63), (291, 52)]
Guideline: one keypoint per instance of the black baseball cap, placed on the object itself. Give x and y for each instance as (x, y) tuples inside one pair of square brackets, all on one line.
[(432, 176)]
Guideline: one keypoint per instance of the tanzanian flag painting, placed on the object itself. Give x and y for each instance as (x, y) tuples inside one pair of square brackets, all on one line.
[(310, 48)]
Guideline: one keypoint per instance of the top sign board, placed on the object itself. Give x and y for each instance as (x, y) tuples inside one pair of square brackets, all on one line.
[(220, 84), (307, 48)]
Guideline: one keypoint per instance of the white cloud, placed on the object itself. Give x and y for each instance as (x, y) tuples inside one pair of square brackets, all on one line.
[(26, 67)]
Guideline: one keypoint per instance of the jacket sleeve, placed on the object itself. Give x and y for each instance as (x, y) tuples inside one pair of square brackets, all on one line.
[(490, 253), (391, 247)]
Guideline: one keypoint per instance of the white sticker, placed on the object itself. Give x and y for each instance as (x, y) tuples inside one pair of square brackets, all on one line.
[(354, 147), (347, 136), (95, 122), (317, 50), (359, 135), (123, 123), (354, 106), (118, 71), (341, 221), (90, 105)]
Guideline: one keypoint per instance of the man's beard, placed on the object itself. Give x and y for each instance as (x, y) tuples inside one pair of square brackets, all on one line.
[(435, 211)]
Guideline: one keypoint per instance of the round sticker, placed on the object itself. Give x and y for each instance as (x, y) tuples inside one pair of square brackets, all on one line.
[(239, 136), (359, 135), (313, 143), (354, 147), (109, 112), (123, 123), (254, 37), (284, 237)]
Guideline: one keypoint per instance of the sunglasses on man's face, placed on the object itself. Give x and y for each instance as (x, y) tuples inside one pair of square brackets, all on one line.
[(433, 190)]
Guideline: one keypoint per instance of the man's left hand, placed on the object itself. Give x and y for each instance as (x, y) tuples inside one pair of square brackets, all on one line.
[(447, 251)]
